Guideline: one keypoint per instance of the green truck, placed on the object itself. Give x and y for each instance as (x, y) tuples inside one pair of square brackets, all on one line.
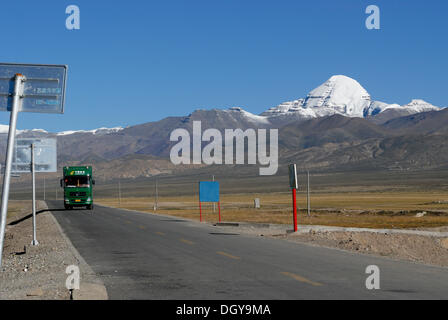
[(78, 187)]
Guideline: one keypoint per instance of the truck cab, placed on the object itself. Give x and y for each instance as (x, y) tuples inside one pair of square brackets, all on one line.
[(78, 187)]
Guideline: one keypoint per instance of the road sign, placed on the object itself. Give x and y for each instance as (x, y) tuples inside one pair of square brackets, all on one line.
[(45, 157), (293, 183), (209, 191), (26, 88), (43, 89)]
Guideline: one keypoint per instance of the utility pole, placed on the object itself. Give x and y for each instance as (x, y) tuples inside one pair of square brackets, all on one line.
[(156, 200), (119, 191), (44, 188), (308, 192)]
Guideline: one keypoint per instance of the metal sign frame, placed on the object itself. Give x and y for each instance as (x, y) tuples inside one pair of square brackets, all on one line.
[(45, 155), (14, 96), (44, 89)]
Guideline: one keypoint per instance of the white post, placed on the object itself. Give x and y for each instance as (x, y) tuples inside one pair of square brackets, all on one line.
[(16, 105), (156, 203), (33, 174), (308, 193), (44, 188), (119, 191)]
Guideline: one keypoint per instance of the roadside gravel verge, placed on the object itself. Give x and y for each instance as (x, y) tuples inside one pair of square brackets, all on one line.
[(39, 272), (422, 246)]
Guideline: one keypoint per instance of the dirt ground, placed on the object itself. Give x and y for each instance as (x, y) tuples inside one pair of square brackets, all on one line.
[(35, 272), (422, 249)]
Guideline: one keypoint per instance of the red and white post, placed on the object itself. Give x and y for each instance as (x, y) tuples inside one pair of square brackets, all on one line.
[(294, 184)]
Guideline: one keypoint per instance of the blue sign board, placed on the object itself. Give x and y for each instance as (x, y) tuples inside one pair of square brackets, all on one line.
[(209, 191)]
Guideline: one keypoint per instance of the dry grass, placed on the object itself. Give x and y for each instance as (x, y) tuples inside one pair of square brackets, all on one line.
[(16, 208), (370, 210)]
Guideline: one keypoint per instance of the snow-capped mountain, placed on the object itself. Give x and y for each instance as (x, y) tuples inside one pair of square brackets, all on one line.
[(94, 131), (4, 129), (339, 95), (345, 96)]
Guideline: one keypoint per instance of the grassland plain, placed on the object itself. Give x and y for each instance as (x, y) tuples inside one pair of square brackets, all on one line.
[(356, 198), (345, 209)]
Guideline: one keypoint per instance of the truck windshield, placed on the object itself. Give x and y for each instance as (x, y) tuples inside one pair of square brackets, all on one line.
[(77, 181)]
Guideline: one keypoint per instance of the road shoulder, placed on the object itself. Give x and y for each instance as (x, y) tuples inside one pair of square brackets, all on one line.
[(39, 272)]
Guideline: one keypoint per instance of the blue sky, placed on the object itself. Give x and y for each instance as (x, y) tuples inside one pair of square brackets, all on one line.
[(137, 61)]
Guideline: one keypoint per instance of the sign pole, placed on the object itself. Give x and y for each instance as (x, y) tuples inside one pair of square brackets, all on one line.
[(294, 184), (219, 210), (200, 211), (294, 212), (16, 102), (33, 173), (214, 204)]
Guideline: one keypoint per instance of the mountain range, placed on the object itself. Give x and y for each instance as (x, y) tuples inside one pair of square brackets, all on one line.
[(336, 126)]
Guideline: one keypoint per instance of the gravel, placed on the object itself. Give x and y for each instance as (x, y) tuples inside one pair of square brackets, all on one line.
[(429, 246), (37, 272)]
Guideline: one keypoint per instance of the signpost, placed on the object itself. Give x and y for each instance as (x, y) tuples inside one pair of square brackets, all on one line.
[(44, 153), (33, 172), (293, 183), (209, 192), (34, 155), (27, 88)]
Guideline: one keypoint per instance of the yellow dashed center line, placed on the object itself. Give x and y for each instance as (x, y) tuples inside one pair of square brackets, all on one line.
[(160, 233), (187, 241), (142, 227), (301, 279), (225, 254)]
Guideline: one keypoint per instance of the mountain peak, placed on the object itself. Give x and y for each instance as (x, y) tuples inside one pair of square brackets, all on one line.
[(338, 95), (344, 96)]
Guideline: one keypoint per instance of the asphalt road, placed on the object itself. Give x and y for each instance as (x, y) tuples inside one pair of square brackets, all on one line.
[(145, 256)]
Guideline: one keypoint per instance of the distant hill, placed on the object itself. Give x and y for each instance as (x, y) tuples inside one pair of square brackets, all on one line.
[(336, 126)]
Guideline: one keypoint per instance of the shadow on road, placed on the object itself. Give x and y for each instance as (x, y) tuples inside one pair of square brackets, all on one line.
[(29, 216)]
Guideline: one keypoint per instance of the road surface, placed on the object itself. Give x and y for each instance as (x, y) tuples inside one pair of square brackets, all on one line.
[(145, 256)]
